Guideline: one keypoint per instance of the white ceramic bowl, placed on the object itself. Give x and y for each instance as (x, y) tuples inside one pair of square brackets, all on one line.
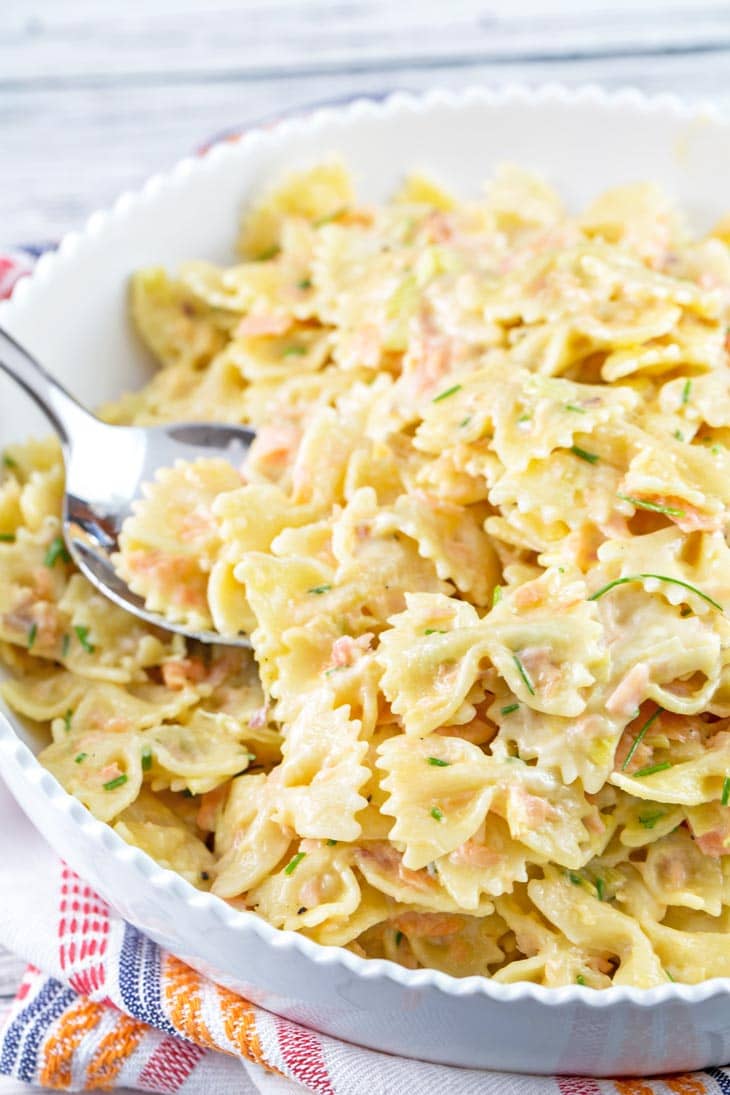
[(72, 314)]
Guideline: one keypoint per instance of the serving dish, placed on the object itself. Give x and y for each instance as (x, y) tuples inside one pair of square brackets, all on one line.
[(72, 314)]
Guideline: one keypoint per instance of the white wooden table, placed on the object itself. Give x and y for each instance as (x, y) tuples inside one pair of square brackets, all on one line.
[(95, 96)]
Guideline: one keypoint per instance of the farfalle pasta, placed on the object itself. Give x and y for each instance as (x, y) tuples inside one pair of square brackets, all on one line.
[(480, 547)]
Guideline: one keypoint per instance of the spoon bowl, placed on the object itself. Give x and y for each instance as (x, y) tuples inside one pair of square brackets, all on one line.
[(106, 467)]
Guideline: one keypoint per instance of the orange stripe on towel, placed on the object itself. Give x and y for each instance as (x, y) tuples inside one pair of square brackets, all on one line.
[(239, 1023), (113, 1052), (685, 1084), (66, 1035), (634, 1087), (183, 997)]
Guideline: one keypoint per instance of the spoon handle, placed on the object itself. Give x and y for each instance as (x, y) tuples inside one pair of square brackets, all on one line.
[(63, 412)]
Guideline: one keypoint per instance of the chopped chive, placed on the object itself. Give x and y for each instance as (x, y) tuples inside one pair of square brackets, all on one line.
[(82, 633), (648, 821), (437, 814), (294, 862), (434, 631), (580, 979), (294, 351), (465, 422), (640, 503), (331, 843), (8, 461), (590, 457), (437, 762), (146, 758), (56, 550), (334, 669), (669, 976), (65, 644), (329, 217), (659, 578), (509, 708), (639, 738), (576, 879), (524, 418), (80, 758), (522, 672), (679, 435), (445, 395), (112, 784), (67, 720), (304, 283), (32, 633), (600, 893), (7, 537), (574, 408), (496, 595), (269, 253), (319, 589), (398, 938), (686, 391), (725, 791), (652, 768)]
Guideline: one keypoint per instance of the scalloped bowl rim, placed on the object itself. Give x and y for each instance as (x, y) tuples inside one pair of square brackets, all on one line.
[(161, 878)]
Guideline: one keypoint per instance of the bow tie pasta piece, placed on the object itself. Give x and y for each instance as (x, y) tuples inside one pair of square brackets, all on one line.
[(489, 863), (107, 643), (49, 693), (316, 887), (681, 569), (312, 195), (461, 946), (697, 400), (103, 770), (640, 823), (249, 519), (168, 546), (552, 959), (687, 783), (374, 907), (692, 342), (579, 748), (689, 481), (383, 867), (106, 707), (593, 924), (555, 822), (248, 843), (177, 328), (152, 826), (321, 775), (690, 956), (439, 792), (677, 872), (657, 653), (431, 657), (197, 755), (640, 217), (565, 496), (452, 537), (546, 642), (30, 591)]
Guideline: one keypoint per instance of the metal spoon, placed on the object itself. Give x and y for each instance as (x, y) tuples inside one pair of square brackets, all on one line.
[(105, 469)]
